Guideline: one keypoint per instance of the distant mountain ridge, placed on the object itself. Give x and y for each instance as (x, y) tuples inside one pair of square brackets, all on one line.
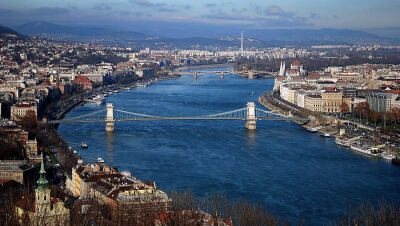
[(221, 36), (81, 33)]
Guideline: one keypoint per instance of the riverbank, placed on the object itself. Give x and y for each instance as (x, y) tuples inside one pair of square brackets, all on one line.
[(329, 126)]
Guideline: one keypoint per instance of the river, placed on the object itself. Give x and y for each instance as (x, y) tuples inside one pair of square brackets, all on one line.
[(295, 174)]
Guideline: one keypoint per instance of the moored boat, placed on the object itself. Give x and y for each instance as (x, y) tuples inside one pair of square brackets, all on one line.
[(314, 129), (365, 150), (387, 156), (342, 142), (327, 135)]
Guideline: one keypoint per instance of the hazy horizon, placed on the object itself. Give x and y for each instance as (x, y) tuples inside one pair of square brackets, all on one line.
[(210, 16)]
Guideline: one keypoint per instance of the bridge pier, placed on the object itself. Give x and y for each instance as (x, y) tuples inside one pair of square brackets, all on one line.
[(251, 116), (222, 75), (110, 118), (195, 75)]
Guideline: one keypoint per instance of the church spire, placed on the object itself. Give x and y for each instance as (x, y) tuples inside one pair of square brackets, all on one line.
[(42, 182)]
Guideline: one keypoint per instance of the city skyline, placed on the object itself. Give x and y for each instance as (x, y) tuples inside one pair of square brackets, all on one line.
[(359, 14)]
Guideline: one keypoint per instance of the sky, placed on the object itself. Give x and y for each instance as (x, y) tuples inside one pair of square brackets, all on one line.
[(260, 14)]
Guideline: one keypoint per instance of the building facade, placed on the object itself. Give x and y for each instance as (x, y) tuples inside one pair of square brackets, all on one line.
[(381, 102)]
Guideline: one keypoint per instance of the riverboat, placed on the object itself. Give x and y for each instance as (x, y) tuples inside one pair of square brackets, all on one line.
[(387, 156), (314, 129), (326, 135), (84, 146), (96, 100), (342, 142), (365, 150), (100, 160)]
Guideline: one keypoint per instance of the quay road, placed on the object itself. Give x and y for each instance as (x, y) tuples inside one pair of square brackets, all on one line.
[(270, 100)]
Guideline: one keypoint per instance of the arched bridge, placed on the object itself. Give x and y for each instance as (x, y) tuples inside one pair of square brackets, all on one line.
[(110, 115)]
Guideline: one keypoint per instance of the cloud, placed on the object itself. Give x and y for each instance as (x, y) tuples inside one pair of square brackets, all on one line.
[(144, 3), (102, 7), (227, 17), (274, 10), (314, 15), (48, 11), (210, 5), (167, 10)]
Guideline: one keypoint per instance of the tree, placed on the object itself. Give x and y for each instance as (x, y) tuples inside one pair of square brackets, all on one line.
[(344, 107), (374, 115), (385, 116), (396, 114), (362, 109)]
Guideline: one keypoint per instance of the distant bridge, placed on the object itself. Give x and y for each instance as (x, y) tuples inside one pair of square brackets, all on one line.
[(110, 115), (248, 73)]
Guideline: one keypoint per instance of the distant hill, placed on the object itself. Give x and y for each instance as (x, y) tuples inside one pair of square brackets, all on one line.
[(79, 33), (7, 34), (200, 36), (319, 35)]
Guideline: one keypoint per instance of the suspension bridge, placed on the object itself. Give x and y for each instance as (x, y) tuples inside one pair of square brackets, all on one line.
[(110, 115)]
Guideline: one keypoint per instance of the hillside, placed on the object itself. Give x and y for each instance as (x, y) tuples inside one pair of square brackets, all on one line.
[(79, 33), (7, 34)]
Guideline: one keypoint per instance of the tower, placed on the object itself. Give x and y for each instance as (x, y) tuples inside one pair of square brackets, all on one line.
[(241, 45), (251, 116), (42, 193), (282, 69), (110, 118)]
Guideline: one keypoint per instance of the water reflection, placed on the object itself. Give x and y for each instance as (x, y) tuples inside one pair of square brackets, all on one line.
[(110, 145), (251, 139)]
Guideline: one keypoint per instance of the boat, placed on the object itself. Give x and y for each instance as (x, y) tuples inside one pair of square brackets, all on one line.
[(342, 142), (116, 91), (325, 135), (96, 100), (84, 146), (387, 155), (314, 129), (373, 152), (396, 161), (100, 160)]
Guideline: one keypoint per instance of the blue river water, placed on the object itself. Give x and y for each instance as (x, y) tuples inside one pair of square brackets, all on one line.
[(295, 174)]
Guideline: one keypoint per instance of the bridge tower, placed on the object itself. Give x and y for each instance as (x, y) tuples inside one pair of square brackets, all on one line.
[(251, 116), (110, 118)]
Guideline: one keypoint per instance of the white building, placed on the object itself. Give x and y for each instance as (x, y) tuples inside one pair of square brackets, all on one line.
[(381, 102)]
